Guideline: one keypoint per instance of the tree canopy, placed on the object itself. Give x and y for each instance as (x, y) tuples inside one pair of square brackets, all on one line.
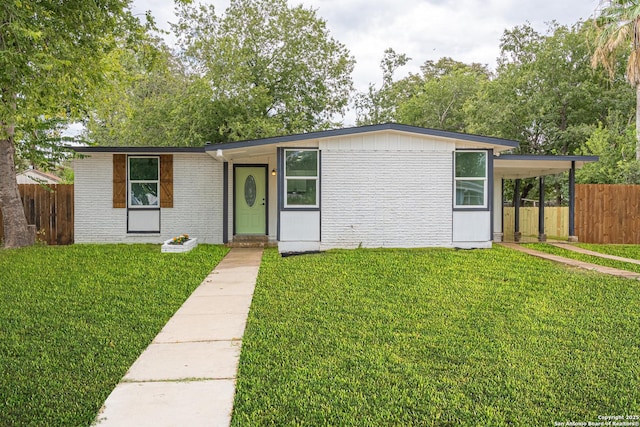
[(52, 54), (617, 31), (260, 69)]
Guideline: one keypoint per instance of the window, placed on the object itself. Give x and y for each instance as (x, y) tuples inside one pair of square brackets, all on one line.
[(144, 182), (301, 178), (470, 179), (143, 215)]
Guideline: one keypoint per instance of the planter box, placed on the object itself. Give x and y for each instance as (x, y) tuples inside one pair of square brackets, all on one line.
[(186, 247)]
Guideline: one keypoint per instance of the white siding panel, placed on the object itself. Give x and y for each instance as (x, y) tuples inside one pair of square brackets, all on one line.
[(471, 226), (144, 220), (399, 197), (298, 226), (197, 201)]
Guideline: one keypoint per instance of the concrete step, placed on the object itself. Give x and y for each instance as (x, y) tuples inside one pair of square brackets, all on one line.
[(250, 241)]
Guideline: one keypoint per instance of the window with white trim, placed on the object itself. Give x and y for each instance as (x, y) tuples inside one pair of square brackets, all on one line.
[(301, 178), (470, 179), (144, 182)]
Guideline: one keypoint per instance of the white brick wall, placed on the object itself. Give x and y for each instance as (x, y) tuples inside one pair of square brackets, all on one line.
[(197, 202), (398, 193)]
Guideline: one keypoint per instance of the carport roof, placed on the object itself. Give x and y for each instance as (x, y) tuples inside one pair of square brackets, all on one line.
[(512, 166)]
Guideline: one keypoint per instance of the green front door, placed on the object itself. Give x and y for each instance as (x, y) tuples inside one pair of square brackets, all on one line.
[(251, 199)]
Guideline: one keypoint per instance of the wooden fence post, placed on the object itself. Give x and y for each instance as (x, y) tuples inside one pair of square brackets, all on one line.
[(49, 211)]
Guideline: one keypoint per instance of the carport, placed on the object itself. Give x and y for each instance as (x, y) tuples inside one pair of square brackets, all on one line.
[(518, 167)]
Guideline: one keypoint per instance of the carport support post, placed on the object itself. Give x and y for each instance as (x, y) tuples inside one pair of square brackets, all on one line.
[(572, 202), (541, 236), (516, 217)]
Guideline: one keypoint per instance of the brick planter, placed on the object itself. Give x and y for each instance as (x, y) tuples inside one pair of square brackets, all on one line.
[(185, 247)]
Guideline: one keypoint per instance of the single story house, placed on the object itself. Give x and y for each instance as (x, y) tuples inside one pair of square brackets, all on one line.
[(387, 185)]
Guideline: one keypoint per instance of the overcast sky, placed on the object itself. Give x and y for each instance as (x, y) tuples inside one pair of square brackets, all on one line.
[(465, 30)]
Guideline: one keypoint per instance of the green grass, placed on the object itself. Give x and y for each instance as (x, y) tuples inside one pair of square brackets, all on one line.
[(626, 251), (554, 250), (436, 337), (73, 319)]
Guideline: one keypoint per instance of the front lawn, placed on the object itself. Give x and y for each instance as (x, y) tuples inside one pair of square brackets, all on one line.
[(73, 319), (436, 337)]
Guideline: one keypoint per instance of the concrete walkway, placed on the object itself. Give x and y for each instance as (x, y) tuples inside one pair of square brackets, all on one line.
[(186, 377), (570, 247), (574, 263)]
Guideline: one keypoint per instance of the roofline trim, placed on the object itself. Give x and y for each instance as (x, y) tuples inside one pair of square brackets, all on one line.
[(363, 129), (547, 157), (100, 149)]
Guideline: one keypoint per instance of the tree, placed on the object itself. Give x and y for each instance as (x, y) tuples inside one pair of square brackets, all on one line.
[(618, 29), (615, 146), (379, 105), (50, 60), (546, 94), (151, 100), (441, 93), (272, 69), (40, 144)]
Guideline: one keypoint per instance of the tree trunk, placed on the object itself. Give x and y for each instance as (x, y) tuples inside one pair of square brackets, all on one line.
[(638, 122), (525, 190), (16, 232)]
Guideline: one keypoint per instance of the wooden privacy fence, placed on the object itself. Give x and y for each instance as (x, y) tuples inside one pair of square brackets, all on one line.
[(556, 221), (608, 213), (50, 208)]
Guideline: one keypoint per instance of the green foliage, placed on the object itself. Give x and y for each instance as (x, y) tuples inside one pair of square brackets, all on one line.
[(260, 69), (273, 68), (41, 144), (615, 146), (615, 35), (51, 62), (435, 98), (441, 94), (66, 173), (379, 105), (436, 337), (52, 59), (152, 101), (73, 319), (546, 94)]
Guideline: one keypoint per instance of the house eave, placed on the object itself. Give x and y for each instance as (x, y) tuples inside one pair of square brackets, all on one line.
[(519, 166), (470, 138), (144, 150)]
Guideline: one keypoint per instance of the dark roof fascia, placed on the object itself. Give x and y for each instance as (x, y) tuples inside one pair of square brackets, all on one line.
[(99, 149), (547, 157), (363, 129)]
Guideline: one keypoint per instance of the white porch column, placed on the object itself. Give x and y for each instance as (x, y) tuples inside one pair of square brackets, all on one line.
[(498, 233)]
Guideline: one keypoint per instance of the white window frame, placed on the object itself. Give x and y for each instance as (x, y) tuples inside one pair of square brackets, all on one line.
[(286, 179), (484, 179), (130, 182)]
